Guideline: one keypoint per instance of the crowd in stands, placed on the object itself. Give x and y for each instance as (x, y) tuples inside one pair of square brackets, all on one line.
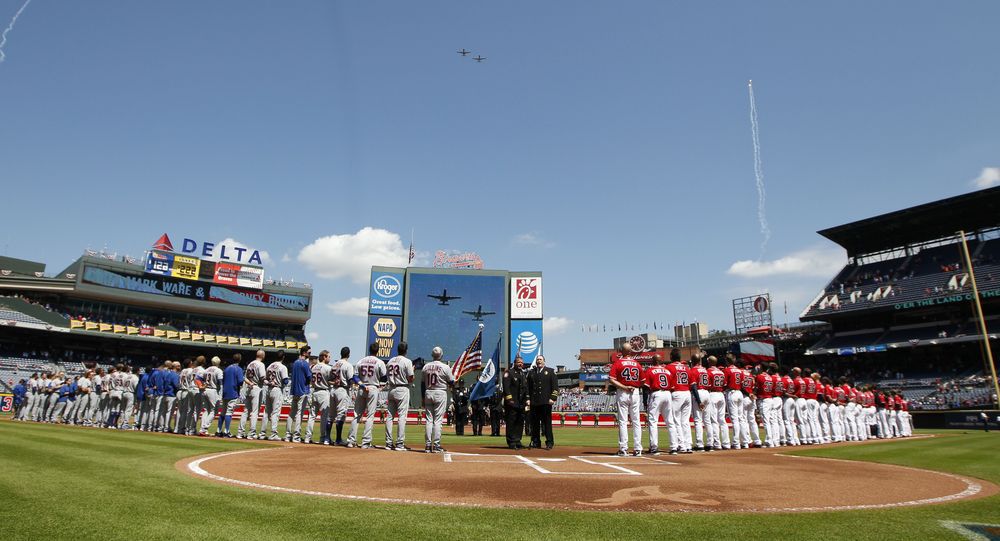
[(146, 320)]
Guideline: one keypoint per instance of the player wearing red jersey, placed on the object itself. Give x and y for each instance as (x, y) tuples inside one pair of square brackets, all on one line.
[(626, 376), (850, 411), (837, 415), (659, 380), (812, 406), (893, 414), (904, 418), (681, 398), (766, 406), (751, 405), (717, 405), (823, 409), (785, 388), (702, 425), (734, 401), (801, 408)]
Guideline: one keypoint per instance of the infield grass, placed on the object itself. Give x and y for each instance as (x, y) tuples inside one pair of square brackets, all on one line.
[(65, 482)]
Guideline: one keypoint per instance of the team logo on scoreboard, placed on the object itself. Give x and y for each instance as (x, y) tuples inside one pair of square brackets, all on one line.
[(638, 343)]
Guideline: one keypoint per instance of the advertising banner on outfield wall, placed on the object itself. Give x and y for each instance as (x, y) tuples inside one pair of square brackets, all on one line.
[(180, 288), (526, 297), (386, 332), (385, 296), (525, 340)]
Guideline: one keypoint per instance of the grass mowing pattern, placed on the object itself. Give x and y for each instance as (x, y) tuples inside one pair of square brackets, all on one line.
[(65, 482)]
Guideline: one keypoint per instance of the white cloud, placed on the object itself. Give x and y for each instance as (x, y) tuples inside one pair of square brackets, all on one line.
[(811, 262), (532, 239), (286, 258), (231, 244), (352, 255), (556, 325), (990, 176), (355, 306), (312, 336)]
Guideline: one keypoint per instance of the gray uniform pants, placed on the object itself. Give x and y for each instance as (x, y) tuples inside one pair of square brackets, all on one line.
[(293, 425), (128, 404), (340, 402), (165, 411), (70, 413), (53, 398), (319, 407), (183, 412), (146, 420), (435, 404), (57, 410), (366, 403), (211, 399), (397, 408), (39, 408), (25, 410), (103, 407), (114, 405), (250, 396), (273, 397)]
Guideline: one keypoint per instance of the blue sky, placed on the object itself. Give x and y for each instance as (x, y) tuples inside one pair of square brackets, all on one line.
[(606, 144)]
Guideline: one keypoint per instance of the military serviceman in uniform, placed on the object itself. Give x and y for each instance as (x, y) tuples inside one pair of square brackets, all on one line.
[(399, 378), (515, 389), (478, 418), (496, 414), (437, 377), (543, 389), (460, 407)]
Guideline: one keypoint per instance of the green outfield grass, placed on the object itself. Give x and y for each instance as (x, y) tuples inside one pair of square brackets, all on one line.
[(66, 482)]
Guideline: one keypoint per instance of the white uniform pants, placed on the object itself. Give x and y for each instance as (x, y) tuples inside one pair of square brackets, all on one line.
[(749, 410), (812, 417), (702, 416), (720, 430), (628, 403), (788, 411), (681, 406), (741, 431), (319, 408), (659, 406)]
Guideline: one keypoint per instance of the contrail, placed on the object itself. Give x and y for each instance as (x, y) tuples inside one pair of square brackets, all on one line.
[(3, 37), (758, 172)]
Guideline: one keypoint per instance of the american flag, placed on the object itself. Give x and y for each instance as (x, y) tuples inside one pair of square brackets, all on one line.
[(471, 359), (412, 254)]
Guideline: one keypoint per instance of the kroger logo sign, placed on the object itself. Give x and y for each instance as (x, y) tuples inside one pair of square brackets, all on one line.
[(386, 286)]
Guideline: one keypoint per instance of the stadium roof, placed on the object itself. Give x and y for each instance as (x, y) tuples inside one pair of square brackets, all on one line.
[(930, 221)]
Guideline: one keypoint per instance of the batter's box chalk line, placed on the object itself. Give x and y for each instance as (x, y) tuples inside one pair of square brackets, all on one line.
[(613, 465)]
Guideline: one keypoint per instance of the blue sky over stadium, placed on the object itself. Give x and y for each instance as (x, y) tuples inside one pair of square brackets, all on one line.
[(607, 145)]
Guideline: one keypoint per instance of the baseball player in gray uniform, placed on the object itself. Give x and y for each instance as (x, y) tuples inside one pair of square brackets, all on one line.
[(253, 381), (129, 381), (399, 377), (31, 390), (212, 381), (83, 388), (341, 375), (369, 377), (37, 414), (437, 378), (275, 380), (198, 402), (320, 404), (185, 398), (54, 384)]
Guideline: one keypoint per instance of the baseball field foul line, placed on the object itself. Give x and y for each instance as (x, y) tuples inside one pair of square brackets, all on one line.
[(195, 467)]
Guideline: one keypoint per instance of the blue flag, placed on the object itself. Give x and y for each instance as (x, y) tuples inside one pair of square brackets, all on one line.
[(487, 384)]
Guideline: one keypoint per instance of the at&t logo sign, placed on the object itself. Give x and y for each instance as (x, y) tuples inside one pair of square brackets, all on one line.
[(387, 286)]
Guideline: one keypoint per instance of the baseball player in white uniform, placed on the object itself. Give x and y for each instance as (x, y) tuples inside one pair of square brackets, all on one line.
[(341, 375), (212, 381), (437, 378), (275, 379), (253, 381), (717, 405), (369, 377), (399, 377), (658, 379), (319, 407)]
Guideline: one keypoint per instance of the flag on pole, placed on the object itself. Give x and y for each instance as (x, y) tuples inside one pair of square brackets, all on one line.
[(471, 359), (486, 386), (412, 254)]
